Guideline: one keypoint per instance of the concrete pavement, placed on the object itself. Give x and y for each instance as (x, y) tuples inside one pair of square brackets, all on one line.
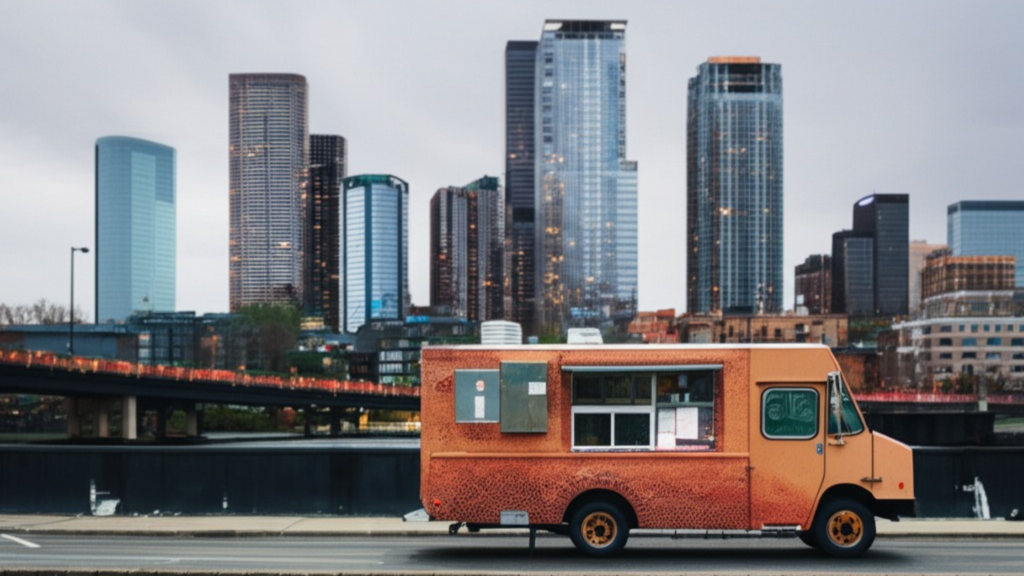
[(354, 526)]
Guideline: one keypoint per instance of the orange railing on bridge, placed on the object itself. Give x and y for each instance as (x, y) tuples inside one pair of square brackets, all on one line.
[(935, 397), (178, 373)]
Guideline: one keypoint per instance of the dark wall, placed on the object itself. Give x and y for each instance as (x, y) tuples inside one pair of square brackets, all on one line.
[(366, 482), (56, 480), (945, 480)]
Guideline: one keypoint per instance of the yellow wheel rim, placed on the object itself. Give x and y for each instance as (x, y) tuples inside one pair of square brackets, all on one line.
[(845, 528), (599, 529)]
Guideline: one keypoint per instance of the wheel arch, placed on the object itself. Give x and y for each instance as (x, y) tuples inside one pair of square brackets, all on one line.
[(857, 494), (602, 495)]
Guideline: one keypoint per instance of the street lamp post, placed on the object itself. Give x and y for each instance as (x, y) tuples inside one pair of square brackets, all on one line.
[(71, 323)]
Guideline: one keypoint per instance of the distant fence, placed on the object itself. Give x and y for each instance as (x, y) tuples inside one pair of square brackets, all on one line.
[(126, 369)]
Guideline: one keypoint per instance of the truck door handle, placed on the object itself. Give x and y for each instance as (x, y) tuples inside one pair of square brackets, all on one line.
[(871, 480)]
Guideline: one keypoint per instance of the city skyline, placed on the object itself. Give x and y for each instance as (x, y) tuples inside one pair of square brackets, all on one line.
[(924, 135)]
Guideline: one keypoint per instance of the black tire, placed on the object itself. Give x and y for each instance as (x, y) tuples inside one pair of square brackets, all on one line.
[(844, 528), (807, 537), (599, 529)]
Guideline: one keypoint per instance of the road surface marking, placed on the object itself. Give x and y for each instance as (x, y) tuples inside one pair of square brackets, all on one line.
[(24, 543)]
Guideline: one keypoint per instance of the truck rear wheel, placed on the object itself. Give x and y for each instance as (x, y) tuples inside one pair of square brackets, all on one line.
[(807, 537), (844, 528), (599, 529)]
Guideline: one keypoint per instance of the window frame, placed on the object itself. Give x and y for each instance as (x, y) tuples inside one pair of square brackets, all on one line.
[(651, 408), (817, 412)]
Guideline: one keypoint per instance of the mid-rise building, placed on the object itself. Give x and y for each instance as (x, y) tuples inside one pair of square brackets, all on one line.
[(813, 284), (269, 156), (734, 187), (327, 168), (467, 249), (918, 252), (830, 329), (375, 249), (520, 170), (988, 228), (853, 270), (136, 227), (585, 208), (886, 218)]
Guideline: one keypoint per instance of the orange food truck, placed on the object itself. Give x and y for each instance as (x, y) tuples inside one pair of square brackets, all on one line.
[(594, 441)]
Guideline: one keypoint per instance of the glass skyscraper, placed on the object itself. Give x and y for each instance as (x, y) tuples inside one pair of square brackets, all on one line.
[(375, 249), (467, 252), (327, 168), (988, 228), (520, 170), (734, 187), (886, 218), (853, 273), (585, 204), (269, 155), (136, 223)]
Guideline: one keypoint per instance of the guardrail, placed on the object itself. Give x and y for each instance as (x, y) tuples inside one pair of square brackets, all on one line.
[(127, 369), (937, 398)]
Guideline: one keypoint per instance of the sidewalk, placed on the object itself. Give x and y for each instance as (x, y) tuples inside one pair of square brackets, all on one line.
[(351, 526)]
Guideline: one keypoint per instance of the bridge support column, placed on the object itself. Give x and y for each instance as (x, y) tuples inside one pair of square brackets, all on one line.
[(71, 415), (101, 418), (129, 418), (191, 421), (335, 421)]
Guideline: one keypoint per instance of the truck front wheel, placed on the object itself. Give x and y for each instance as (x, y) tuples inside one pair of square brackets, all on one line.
[(844, 528), (599, 529)]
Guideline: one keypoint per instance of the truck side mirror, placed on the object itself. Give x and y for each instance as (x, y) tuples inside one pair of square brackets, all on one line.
[(836, 404)]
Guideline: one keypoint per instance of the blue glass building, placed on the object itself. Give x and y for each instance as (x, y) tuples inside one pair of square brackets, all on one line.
[(988, 228), (135, 227), (586, 249), (853, 273), (374, 249), (734, 187)]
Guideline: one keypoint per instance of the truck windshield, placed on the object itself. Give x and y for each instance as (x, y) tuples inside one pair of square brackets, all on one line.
[(851, 419)]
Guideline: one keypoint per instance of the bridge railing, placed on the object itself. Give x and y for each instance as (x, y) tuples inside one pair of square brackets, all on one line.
[(937, 398), (206, 375)]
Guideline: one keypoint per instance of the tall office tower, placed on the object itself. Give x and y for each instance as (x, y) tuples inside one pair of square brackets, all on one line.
[(327, 168), (585, 188), (813, 281), (886, 217), (136, 233), (269, 154), (467, 249), (917, 254), (734, 187), (374, 249), (988, 228), (853, 271), (520, 71)]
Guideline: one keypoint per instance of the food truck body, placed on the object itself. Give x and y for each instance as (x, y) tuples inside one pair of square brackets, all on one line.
[(592, 441)]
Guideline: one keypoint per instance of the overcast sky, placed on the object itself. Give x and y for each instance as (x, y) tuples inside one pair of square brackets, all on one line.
[(925, 98)]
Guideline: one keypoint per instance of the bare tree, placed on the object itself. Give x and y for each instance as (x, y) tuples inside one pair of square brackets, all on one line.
[(41, 312)]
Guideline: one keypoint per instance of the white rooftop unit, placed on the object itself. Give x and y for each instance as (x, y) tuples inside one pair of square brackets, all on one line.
[(501, 332)]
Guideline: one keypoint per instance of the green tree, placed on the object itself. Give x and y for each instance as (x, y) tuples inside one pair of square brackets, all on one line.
[(277, 333)]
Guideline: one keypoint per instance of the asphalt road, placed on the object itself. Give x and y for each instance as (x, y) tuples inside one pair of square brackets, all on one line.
[(481, 554)]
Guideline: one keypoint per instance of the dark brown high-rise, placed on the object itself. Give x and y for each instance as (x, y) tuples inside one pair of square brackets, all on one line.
[(327, 168), (813, 280)]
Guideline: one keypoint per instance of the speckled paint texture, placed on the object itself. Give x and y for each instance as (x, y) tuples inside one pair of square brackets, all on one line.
[(470, 472)]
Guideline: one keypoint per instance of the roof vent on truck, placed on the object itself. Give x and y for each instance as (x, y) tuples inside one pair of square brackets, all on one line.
[(584, 336)]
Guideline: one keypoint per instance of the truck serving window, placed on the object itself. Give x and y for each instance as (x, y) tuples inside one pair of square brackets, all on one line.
[(648, 410), (789, 413)]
